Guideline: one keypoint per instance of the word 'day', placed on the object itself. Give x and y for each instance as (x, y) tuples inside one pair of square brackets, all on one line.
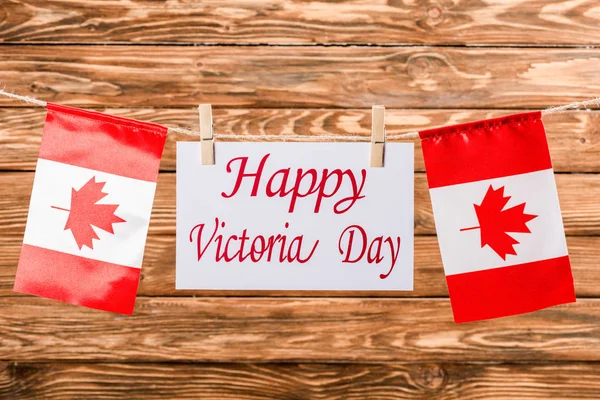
[(294, 216)]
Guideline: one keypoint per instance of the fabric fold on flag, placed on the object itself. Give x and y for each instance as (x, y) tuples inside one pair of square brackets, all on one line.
[(497, 217), (90, 209)]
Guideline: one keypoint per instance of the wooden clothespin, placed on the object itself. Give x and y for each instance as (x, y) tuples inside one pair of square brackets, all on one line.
[(207, 142), (377, 136)]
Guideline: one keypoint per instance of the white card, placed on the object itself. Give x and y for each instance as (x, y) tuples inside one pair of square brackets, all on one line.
[(304, 216)]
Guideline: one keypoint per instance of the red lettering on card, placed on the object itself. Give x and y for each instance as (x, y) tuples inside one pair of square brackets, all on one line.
[(260, 248), (355, 237), (306, 183)]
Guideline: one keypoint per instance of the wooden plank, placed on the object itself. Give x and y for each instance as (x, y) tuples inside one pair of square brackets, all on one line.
[(284, 329), (402, 381), (572, 136), (158, 272), (293, 77), (579, 194), (300, 22)]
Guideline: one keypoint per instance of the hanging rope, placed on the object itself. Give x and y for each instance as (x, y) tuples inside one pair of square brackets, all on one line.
[(351, 138)]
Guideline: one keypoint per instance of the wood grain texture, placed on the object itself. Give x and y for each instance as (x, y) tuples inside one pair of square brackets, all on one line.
[(578, 193), (302, 22), (301, 77), (292, 329), (573, 136), (285, 67), (383, 381), (158, 272)]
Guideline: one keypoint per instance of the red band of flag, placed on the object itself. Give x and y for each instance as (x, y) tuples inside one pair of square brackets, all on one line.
[(77, 280), (512, 290), (477, 151), (103, 142)]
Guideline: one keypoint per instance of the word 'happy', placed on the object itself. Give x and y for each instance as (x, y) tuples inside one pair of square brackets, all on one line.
[(305, 183)]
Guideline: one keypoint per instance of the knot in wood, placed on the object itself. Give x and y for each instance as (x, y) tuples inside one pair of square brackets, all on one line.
[(431, 377), (419, 67), (434, 13)]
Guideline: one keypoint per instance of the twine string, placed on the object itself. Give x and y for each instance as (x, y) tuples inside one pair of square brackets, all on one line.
[(351, 138), (24, 99), (572, 106)]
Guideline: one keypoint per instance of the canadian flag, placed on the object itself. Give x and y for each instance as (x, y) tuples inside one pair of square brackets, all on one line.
[(497, 217), (90, 209)]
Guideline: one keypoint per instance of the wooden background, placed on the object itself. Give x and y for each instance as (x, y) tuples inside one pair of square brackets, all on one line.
[(310, 68)]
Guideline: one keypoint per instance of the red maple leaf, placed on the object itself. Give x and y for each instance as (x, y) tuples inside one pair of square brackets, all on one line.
[(495, 222), (85, 212)]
